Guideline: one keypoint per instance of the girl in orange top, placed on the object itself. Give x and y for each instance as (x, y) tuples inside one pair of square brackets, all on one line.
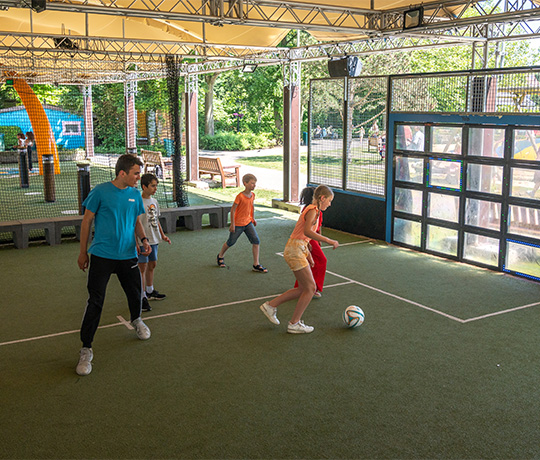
[(298, 257)]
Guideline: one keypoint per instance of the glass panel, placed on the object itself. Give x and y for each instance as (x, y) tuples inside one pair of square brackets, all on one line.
[(407, 232), (443, 240), (523, 258), (526, 145), (484, 178), (445, 174), (445, 207), (417, 138), (407, 200), (525, 183), (445, 139), (482, 249), (403, 137), (483, 214), (524, 221), (409, 169), (486, 142)]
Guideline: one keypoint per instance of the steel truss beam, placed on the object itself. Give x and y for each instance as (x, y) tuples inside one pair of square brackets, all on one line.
[(88, 60)]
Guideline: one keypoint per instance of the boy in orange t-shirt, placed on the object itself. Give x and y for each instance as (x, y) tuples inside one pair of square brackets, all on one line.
[(242, 221)]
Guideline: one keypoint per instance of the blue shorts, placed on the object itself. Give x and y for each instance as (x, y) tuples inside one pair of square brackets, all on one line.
[(248, 229), (152, 257)]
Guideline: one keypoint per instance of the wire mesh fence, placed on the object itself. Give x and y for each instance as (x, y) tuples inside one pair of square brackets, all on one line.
[(348, 133), (489, 92)]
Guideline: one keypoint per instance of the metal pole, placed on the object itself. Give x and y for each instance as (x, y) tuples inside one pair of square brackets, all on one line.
[(23, 169), (48, 178), (83, 183)]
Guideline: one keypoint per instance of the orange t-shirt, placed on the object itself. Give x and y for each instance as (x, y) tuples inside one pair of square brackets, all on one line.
[(243, 214), (298, 232)]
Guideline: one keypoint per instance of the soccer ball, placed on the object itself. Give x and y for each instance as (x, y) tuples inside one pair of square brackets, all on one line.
[(353, 316)]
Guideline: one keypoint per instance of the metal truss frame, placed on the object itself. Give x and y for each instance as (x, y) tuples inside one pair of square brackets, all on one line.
[(89, 60)]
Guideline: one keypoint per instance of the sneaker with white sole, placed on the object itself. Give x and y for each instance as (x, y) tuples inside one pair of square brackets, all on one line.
[(155, 295), (143, 332), (270, 312), (84, 367), (299, 328), (146, 305)]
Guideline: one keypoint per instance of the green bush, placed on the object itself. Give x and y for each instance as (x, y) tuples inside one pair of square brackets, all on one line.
[(227, 141), (10, 135)]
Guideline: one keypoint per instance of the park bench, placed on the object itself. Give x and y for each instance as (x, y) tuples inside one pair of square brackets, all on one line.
[(156, 164), (214, 167)]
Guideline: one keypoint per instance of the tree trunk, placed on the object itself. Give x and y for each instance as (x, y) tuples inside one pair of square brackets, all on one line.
[(209, 104)]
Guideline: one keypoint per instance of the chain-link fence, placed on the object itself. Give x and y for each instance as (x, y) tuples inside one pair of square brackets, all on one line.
[(348, 133)]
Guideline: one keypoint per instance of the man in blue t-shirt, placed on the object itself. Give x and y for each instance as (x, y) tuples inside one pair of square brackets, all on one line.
[(115, 208)]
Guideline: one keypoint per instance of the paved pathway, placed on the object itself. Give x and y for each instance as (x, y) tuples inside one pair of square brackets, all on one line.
[(270, 179)]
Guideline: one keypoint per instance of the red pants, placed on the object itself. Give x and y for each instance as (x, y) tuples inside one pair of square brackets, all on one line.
[(319, 269)]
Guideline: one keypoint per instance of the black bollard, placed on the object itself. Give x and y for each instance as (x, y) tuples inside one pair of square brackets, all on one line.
[(48, 178), (83, 183), (23, 169)]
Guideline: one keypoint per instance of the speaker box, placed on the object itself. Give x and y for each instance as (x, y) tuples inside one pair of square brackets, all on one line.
[(39, 5), (349, 66)]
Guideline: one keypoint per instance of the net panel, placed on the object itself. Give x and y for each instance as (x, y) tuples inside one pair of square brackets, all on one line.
[(326, 139)]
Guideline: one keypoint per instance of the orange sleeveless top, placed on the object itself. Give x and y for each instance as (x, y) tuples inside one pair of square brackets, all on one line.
[(298, 232)]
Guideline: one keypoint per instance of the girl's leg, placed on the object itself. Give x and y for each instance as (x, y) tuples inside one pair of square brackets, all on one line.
[(306, 288)]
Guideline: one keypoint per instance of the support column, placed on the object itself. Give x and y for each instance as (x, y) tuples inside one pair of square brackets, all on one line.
[(88, 121), (192, 129), (130, 91), (291, 131)]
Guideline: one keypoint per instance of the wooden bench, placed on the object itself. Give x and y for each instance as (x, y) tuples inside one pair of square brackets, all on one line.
[(214, 167), (192, 217), (156, 164)]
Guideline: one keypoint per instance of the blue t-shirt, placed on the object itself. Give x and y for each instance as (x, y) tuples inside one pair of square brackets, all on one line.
[(116, 211)]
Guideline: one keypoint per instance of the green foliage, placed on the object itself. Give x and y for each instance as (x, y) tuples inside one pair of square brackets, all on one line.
[(108, 108), (229, 141), (10, 135)]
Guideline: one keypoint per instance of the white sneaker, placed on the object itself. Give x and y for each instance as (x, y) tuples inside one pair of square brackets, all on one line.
[(299, 328), (270, 312), (84, 367), (143, 332)]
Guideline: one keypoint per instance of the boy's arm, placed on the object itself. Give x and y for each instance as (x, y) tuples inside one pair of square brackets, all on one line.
[(86, 225), (162, 233), (139, 231), (253, 212)]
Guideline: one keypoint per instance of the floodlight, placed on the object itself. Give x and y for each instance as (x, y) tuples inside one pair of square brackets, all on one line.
[(413, 18), (249, 68)]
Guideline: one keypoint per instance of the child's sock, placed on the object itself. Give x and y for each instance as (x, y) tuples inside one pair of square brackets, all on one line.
[(149, 289)]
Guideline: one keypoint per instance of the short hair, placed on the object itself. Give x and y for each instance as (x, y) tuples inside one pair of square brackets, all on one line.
[(126, 162), (146, 179), (248, 177)]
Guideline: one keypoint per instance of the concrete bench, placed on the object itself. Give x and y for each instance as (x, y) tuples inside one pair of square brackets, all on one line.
[(37, 224), (15, 228), (67, 221), (192, 217)]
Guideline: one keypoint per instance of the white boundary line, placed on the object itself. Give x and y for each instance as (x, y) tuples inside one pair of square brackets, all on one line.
[(403, 299), (123, 322)]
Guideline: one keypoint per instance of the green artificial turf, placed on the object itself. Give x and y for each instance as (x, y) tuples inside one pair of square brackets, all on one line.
[(218, 381)]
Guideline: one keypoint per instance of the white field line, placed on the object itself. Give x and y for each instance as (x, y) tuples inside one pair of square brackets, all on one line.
[(502, 312), (124, 322), (403, 299)]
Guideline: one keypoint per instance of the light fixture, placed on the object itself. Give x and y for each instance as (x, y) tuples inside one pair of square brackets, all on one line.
[(413, 18), (249, 68)]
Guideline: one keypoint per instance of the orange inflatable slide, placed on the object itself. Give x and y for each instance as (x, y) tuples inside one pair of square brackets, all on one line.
[(45, 142)]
